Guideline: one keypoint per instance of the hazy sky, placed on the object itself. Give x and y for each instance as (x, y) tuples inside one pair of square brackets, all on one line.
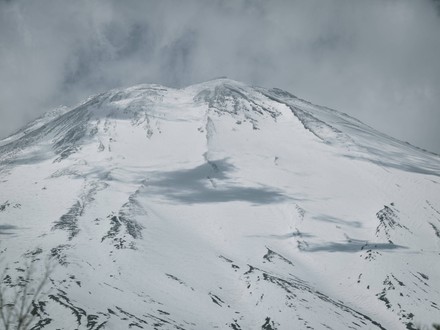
[(377, 60)]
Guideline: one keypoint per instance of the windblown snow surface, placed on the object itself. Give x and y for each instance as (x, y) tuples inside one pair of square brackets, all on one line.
[(219, 206)]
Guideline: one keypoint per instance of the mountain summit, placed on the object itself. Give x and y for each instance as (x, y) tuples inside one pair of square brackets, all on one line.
[(219, 206)]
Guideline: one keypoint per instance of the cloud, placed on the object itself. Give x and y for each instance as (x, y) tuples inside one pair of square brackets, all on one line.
[(376, 60)]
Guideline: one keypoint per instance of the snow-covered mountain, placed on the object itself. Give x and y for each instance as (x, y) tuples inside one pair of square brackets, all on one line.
[(219, 206)]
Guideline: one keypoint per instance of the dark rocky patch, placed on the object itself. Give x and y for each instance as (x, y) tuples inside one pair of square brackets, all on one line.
[(388, 221), (235, 325), (159, 322), (4, 206), (132, 316), (41, 324), (174, 278), (270, 255), (7, 204), (226, 259), (436, 229), (69, 221), (269, 325), (58, 253), (62, 299), (216, 300), (124, 229)]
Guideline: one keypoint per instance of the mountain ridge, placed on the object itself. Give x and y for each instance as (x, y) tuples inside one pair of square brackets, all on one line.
[(308, 114)]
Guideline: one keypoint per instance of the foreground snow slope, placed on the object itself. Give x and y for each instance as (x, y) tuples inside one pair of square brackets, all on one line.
[(220, 206)]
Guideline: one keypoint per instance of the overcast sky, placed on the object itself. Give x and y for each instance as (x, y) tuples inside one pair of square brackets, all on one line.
[(377, 60)]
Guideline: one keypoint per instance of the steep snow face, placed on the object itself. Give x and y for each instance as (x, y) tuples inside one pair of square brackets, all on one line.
[(219, 206)]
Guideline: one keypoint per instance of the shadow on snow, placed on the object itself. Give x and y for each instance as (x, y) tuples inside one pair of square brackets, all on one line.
[(352, 246), (210, 183)]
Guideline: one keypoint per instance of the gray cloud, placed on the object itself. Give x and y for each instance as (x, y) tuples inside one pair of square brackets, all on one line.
[(376, 60)]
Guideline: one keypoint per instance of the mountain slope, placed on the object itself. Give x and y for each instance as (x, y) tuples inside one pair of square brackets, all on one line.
[(220, 206)]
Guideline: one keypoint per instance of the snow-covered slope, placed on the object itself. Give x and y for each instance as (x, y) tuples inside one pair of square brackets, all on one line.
[(220, 206)]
